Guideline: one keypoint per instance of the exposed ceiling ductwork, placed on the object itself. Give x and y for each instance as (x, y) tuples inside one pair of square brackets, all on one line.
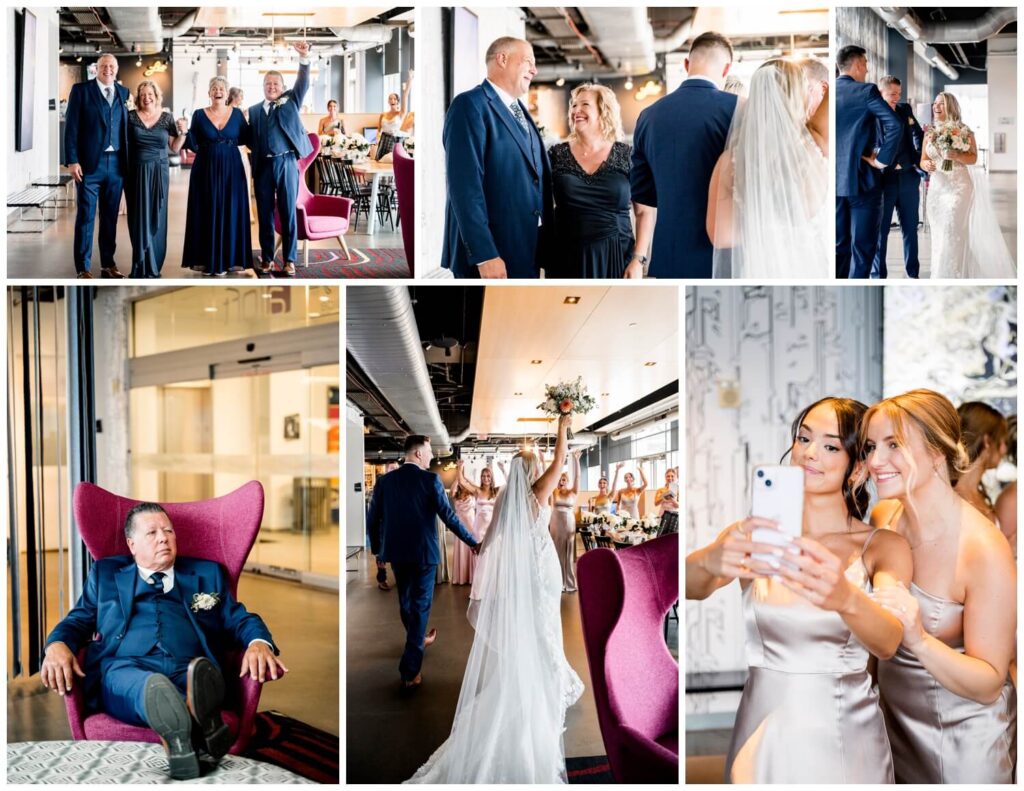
[(967, 31), (139, 29), (365, 34), (618, 42), (382, 337)]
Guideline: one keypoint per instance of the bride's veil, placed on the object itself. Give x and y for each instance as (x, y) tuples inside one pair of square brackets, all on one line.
[(508, 721), (988, 256), (777, 221)]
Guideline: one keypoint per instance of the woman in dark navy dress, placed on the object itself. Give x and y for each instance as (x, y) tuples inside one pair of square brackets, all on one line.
[(217, 233), (592, 195), (152, 131)]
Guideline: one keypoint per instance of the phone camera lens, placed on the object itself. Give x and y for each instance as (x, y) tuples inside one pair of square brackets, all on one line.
[(768, 482), (760, 473)]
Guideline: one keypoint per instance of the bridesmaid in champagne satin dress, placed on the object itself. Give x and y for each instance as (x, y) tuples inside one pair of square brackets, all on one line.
[(563, 525), (950, 708), (601, 503), (484, 496), (462, 555), (627, 499), (809, 713)]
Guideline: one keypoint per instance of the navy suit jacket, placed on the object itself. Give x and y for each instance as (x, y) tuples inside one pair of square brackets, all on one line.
[(102, 617), (85, 125), (495, 193), (864, 124), (286, 116), (908, 155), (401, 523), (676, 144)]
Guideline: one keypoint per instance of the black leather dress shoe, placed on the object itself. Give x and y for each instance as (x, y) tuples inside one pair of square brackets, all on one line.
[(167, 715), (205, 694)]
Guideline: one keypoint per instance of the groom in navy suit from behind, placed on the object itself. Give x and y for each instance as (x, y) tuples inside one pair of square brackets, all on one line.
[(901, 183), (279, 141), (500, 209), (676, 144), (861, 116), (401, 522), (153, 625)]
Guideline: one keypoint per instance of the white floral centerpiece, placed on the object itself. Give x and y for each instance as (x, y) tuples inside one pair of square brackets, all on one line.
[(355, 146), (409, 144), (649, 524)]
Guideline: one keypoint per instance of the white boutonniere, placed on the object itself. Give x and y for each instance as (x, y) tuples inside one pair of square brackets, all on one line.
[(205, 601), (281, 102), (910, 121)]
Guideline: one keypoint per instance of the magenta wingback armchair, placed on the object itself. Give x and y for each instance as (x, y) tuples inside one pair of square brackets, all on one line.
[(405, 183), (317, 216), (624, 597), (222, 529)]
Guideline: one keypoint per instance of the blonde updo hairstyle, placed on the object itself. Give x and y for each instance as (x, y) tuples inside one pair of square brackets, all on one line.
[(951, 106), (531, 465), (609, 115), (935, 417), (156, 92), (790, 78)]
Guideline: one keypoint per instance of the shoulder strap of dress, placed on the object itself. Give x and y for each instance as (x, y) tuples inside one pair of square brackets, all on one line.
[(867, 541)]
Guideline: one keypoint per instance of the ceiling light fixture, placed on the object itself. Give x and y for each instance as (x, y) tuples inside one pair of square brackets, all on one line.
[(560, 82), (650, 363), (571, 301), (536, 362)]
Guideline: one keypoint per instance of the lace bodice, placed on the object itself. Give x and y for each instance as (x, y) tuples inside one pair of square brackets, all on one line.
[(618, 160)]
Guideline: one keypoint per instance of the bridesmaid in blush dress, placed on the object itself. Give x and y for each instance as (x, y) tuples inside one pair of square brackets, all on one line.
[(217, 234), (465, 509), (563, 524), (483, 502), (950, 707), (809, 712)]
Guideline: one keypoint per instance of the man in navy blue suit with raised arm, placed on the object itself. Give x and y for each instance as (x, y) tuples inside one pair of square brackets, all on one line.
[(96, 155), (901, 183), (676, 144), (401, 523), (279, 141), (867, 139), (500, 209), (153, 625)]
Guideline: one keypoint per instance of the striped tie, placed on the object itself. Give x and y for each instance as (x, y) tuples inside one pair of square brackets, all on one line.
[(157, 581)]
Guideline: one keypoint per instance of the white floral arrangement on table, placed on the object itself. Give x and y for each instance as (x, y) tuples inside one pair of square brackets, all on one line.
[(409, 144), (950, 136), (567, 398), (649, 524), (345, 146), (587, 518)]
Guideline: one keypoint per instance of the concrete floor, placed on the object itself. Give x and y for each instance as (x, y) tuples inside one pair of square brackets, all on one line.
[(305, 625), (388, 736), (1003, 188), (50, 254)]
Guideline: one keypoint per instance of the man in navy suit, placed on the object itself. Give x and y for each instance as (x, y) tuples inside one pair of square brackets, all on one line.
[(95, 152), (159, 622), (279, 141), (401, 523), (500, 209), (901, 183), (867, 139), (676, 144)]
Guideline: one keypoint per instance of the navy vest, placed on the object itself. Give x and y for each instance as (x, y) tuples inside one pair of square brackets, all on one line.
[(159, 622), (113, 117), (275, 141)]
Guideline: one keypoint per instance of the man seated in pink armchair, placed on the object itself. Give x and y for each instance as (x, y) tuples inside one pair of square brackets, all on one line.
[(159, 622)]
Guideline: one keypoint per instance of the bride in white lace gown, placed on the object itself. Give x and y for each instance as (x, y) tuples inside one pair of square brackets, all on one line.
[(518, 684), (966, 240), (767, 211)]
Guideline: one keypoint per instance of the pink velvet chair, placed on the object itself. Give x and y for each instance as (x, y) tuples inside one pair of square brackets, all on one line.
[(317, 216), (624, 596), (405, 183), (222, 529)]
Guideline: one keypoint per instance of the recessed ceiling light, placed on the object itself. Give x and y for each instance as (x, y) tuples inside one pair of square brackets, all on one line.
[(632, 324), (570, 301), (517, 394), (649, 364), (324, 298), (267, 295), (317, 315), (210, 309), (536, 362), (605, 394)]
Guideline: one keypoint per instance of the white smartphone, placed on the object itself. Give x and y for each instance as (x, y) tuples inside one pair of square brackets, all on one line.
[(777, 493)]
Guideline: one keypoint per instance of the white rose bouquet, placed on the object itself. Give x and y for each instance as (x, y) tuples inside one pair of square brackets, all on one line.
[(951, 136)]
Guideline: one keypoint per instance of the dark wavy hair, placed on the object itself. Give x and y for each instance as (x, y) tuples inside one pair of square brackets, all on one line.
[(979, 421), (849, 414)]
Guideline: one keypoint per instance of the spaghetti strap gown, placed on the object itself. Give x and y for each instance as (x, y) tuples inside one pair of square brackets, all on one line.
[(481, 521), (563, 534), (809, 713), (936, 735), (462, 555)]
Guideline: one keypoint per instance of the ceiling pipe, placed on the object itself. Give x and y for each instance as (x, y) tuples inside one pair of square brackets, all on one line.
[(675, 39), (624, 42), (141, 31), (384, 340)]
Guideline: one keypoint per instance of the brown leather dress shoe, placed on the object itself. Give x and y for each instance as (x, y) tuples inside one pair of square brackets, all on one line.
[(85, 276), (111, 273)]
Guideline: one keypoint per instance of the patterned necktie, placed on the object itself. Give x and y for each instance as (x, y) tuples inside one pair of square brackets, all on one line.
[(108, 94), (157, 581), (517, 111)]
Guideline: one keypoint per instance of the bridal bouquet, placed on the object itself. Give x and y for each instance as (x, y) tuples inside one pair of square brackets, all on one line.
[(951, 136), (567, 398)]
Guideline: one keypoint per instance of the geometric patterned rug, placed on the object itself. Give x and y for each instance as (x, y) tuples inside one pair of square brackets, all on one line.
[(71, 763), (331, 263), (591, 769)]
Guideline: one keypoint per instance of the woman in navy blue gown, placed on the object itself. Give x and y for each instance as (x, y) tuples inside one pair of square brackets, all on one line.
[(218, 239)]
